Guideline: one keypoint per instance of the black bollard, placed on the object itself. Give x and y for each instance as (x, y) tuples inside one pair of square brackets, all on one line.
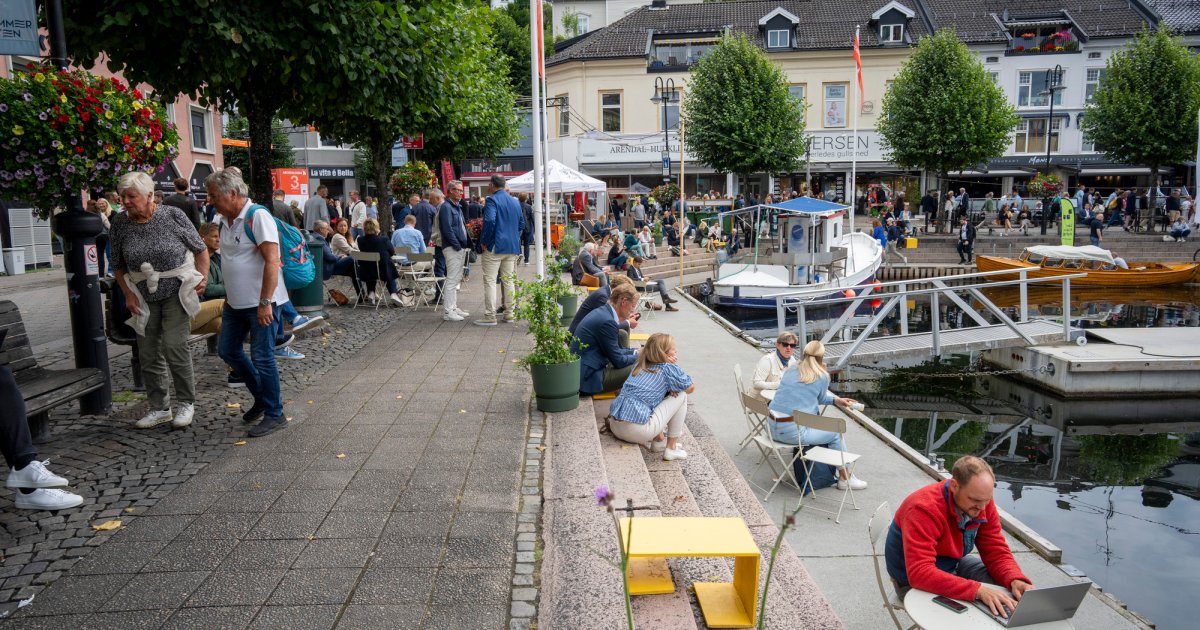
[(81, 259)]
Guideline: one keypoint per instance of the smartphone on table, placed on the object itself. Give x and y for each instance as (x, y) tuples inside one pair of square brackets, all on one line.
[(946, 602)]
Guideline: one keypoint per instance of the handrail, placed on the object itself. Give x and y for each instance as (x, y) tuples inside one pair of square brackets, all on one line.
[(870, 289), (978, 274)]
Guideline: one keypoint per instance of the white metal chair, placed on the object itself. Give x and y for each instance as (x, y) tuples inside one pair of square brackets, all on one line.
[(823, 455), (647, 291), (780, 456), (876, 528), (424, 281), (754, 421), (372, 258)]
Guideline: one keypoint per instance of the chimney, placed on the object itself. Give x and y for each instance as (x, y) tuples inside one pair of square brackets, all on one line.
[(658, 5)]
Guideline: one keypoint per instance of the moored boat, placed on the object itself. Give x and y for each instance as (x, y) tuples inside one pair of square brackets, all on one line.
[(1101, 267)]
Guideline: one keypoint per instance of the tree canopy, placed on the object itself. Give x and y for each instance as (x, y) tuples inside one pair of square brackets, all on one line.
[(1144, 111), (943, 113), (739, 114), (237, 128), (302, 60), (510, 24)]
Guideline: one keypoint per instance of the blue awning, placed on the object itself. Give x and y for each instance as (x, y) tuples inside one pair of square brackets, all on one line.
[(799, 205)]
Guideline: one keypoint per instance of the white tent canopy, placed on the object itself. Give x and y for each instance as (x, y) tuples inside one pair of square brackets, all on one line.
[(558, 178)]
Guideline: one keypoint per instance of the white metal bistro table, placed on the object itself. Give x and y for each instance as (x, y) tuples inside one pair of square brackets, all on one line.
[(933, 616), (769, 394)]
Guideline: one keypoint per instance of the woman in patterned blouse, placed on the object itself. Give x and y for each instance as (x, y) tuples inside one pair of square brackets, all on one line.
[(653, 399)]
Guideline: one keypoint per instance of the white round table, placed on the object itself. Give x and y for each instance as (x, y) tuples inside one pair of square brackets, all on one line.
[(933, 616), (769, 394)]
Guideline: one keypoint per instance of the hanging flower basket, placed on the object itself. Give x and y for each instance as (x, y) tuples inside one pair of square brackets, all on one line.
[(411, 179), (1044, 185), (67, 131)]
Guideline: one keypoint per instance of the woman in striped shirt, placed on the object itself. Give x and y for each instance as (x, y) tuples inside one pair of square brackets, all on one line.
[(653, 399)]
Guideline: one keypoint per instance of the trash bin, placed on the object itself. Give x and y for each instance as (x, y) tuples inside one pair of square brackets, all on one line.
[(14, 260), (310, 300)]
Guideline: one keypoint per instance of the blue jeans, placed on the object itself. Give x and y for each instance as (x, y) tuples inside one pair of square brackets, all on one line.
[(258, 371), (1095, 241), (791, 433), (287, 313)]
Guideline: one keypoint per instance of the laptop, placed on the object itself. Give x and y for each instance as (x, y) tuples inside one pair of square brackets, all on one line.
[(1039, 605)]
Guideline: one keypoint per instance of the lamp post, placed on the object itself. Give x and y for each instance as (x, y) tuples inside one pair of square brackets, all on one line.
[(1053, 86), (664, 94)]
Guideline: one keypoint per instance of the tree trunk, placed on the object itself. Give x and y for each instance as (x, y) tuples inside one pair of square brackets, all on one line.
[(379, 150), (259, 112)]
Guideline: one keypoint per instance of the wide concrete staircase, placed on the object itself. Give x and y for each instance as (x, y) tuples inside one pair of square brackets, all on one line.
[(582, 590)]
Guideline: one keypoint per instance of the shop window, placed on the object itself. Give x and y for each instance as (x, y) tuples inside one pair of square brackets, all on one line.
[(1031, 86), (835, 105), (610, 112)]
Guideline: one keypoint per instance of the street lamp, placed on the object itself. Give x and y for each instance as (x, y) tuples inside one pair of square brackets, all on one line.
[(664, 93), (1053, 85)]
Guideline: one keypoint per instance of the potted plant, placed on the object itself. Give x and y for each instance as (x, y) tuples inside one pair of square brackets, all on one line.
[(412, 178), (657, 233), (552, 366), (568, 249)]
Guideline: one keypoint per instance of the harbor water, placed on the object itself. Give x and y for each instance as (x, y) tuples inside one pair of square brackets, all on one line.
[(1114, 483)]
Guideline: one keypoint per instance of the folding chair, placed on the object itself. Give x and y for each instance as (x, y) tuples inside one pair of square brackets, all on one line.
[(823, 455), (753, 421), (372, 258), (774, 453), (883, 514), (646, 294)]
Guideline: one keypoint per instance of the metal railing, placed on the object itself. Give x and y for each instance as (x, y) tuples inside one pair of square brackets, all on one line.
[(801, 300)]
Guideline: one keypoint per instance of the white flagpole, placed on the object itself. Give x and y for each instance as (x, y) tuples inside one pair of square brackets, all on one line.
[(852, 191), (535, 102)]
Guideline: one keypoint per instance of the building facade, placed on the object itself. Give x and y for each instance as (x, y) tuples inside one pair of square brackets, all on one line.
[(328, 162), (607, 125)]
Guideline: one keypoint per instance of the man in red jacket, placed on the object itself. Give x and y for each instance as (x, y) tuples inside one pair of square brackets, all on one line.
[(937, 527)]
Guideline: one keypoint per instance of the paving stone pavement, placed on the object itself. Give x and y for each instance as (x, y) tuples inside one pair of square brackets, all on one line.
[(394, 499)]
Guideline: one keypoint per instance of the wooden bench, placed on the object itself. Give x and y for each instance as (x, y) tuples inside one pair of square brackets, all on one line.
[(41, 388), (653, 540)]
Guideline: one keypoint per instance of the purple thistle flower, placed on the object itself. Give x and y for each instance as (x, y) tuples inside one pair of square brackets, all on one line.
[(604, 496)]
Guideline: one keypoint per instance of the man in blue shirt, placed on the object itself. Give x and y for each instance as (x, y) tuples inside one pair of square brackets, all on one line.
[(408, 236), (500, 239)]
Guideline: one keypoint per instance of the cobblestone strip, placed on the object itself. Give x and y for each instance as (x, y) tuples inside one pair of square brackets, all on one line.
[(527, 568), (121, 472)]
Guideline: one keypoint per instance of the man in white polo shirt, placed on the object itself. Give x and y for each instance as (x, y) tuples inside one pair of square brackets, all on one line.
[(254, 293)]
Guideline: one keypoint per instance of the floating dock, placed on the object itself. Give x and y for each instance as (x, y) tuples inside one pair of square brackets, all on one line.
[(1120, 361)]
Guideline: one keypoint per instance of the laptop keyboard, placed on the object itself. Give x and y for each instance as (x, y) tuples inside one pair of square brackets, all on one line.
[(1000, 620)]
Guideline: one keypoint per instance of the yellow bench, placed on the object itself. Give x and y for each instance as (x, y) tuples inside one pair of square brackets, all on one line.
[(639, 336), (654, 540)]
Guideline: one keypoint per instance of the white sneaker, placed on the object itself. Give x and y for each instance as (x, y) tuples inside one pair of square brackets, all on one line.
[(153, 419), (396, 299), (452, 316), (854, 482), (183, 415), (47, 499), (461, 312), (34, 475), (655, 447), (672, 454)]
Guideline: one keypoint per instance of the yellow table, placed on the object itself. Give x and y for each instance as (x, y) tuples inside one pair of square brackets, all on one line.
[(654, 540)]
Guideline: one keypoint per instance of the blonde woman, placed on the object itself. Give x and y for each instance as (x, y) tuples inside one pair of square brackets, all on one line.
[(804, 387), (654, 399)]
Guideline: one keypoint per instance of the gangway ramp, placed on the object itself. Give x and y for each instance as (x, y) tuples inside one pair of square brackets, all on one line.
[(953, 341), (1001, 331)]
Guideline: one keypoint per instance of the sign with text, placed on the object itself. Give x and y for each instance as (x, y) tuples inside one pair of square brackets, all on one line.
[(19, 28), (841, 146), (331, 172), (293, 182), (1066, 221), (642, 150), (414, 142)]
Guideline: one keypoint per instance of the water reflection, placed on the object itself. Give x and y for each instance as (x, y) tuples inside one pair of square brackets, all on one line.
[(1115, 483)]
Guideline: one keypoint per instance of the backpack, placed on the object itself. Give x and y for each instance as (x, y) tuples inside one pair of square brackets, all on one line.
[(298, 270), (1112, 205)]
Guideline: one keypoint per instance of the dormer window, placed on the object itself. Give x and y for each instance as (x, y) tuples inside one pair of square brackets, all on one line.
[(891, 33), (779, 39), (778, 26)]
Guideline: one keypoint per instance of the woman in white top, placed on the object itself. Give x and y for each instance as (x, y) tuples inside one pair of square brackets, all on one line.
[(343, 241), (772, 365), (647, 241), (948, 210)]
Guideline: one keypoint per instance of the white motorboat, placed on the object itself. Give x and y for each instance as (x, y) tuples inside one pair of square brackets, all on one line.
[(814, 255)]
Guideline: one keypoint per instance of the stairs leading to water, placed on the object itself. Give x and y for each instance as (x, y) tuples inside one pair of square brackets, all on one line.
[(581, 590)]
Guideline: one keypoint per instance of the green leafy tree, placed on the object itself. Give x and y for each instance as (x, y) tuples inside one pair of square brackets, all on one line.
[(511, 27), (1144, 111), (238, 128), (455, 98), (297, 59), (739, 114), (943, 113)]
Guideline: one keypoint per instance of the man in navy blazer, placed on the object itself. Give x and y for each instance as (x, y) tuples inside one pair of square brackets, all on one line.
[(604, 365), (503, 222), (597, 299)]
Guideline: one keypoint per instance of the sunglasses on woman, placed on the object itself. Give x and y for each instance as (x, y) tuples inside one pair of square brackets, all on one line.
[(787, 345)]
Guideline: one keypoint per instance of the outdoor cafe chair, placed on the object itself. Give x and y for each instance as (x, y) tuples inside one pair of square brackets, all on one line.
[(823, 455), (780, 456), (881, 519)]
